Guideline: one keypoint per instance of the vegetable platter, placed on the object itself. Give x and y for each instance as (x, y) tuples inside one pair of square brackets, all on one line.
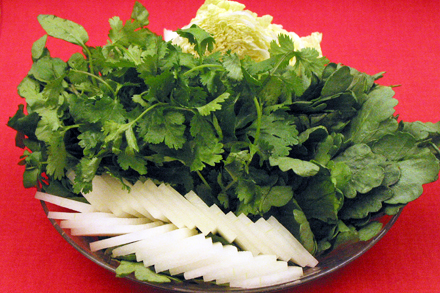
[(259, 136)]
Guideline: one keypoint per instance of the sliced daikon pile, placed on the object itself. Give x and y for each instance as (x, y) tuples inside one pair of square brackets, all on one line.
[(114, 190), (125, 197), (178, 214), (202, 259), (142, 192), (78, 216), (242, 257), (259, 240), (224, 226), (137, 202), (291, 274), (67, 203), (159, 200), (160, 228), (228, 254), (244, 238), (183, 254), (103, 197), (278, 243), (198, 219), (105, 230), (202, 207), (303, 257), (152, 255), (259, 266), (152, 242), (103, 222)]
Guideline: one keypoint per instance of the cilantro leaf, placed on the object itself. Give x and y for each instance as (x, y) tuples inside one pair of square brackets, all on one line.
[(201, 40), (214, 105), (63, 29), (141, 273), (163, 126)]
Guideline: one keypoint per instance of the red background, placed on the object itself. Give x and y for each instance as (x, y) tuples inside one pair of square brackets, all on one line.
[(399, 37)]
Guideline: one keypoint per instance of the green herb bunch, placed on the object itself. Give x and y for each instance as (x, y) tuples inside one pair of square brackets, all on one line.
[(316, 144)]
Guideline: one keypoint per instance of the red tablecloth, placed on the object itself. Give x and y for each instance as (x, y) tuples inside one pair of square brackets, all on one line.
[(396, 36)]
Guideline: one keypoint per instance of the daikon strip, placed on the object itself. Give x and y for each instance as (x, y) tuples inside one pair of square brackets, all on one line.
[(225, 252), (259, 266), (303, 255), (143, 196), (183, 254), (101, 230), (151, 256), (152, 242), (125, 200), (103, 222), (67, 203), (291, 274), (278, 243), (224, 227), (243, 239), (228, 259), (78, 216), (198, 219), (175, 214), (131, 237), (203, 257), (104, 198)]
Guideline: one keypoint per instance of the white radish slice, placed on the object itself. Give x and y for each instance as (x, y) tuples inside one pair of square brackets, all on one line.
[(104, 198), (242, 257), (157, 199), (131, 237), (303, 257), (244, 238), (291, 274), (143, 196), (202, 207), (101, 230), (137, 204), (226, 251), (176, 257), (259, 266), (224, 226), (178, 214), (103, 221), (214, 214), (282, 248), (203, 258), (126, 200), (151, 256), (115, 193), (152, 242), (259, 240), (228, 257), (78, 216), (67, 203), (199, 220)]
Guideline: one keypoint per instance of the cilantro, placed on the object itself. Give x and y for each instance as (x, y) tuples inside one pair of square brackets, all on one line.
[(141, 273)]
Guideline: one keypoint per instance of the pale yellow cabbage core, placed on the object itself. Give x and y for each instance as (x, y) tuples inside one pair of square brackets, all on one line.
[(241, 31)]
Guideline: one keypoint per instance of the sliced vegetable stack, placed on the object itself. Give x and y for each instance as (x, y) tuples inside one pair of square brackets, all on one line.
[(295, 139), (257, 254)]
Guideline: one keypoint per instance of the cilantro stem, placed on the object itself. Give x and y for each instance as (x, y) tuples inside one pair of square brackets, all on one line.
[(97, 78), (259, 115), (203, 179), (201, 67), (91, 66)]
